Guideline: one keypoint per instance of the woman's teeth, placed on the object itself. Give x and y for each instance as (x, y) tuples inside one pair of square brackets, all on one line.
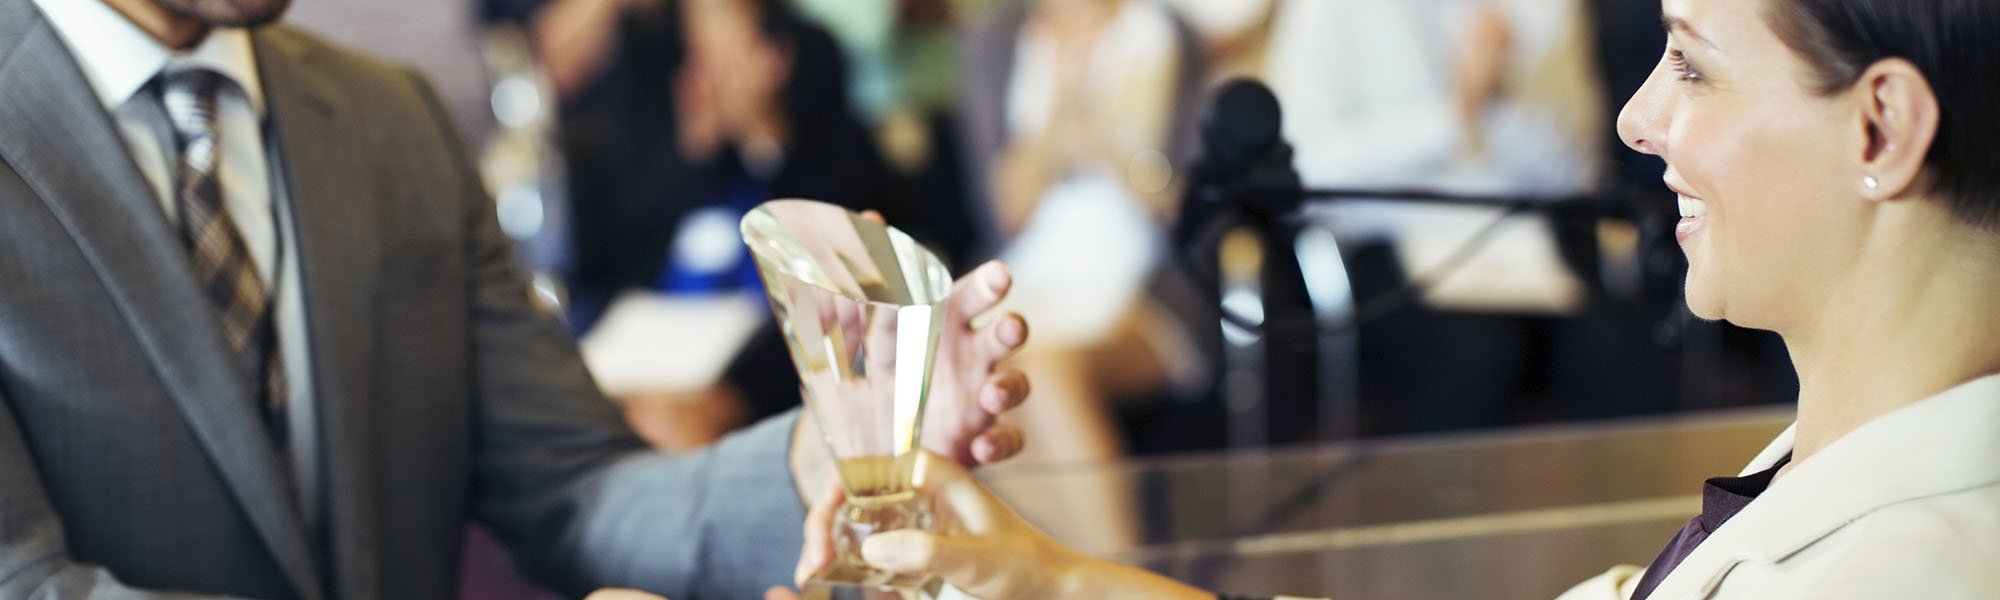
[(1692, 208)]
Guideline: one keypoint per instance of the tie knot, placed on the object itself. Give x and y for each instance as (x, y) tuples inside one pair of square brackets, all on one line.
[(189, 96)]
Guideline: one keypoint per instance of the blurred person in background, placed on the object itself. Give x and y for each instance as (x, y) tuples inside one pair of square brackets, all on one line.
[(904, 87), (1075, 114), (1233, 36), (679, 117), (1472, 96)]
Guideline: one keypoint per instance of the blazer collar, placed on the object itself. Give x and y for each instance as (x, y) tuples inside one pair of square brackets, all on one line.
[(1940, 445)]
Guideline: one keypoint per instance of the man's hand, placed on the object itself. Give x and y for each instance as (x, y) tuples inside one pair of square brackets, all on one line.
[(969, 390)]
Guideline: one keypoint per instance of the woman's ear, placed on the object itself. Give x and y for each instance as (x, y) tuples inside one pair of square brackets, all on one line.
[(1900, 113)]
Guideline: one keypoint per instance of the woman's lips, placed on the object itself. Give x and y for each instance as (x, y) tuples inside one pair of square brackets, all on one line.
[(1693, 213)]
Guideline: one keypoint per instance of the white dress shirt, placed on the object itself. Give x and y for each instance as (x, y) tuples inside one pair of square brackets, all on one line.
[(119, 59)]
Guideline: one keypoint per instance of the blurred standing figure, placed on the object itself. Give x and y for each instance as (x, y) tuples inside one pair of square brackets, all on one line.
[(1074, 113), (903, 85)]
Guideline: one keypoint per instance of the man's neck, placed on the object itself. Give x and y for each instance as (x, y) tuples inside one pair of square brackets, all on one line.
[(171, 30), (1913, 319)]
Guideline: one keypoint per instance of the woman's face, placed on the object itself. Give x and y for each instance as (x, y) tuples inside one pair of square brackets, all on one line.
[(1768, 192)]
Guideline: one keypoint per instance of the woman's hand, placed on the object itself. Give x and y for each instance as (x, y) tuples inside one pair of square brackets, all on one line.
[(985, 550)]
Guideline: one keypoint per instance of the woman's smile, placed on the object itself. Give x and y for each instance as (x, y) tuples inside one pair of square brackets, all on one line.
[(1693, 213)]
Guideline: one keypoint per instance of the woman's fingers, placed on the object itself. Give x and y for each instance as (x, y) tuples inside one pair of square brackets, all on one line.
[(981, 568), (917, 552), (937, 473)]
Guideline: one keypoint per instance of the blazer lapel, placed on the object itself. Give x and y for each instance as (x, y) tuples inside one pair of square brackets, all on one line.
[(334, 214), (1939, 445), (55, 136)]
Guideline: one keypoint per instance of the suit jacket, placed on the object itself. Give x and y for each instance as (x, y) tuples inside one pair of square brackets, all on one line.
[(132, 461), (1906, 506)]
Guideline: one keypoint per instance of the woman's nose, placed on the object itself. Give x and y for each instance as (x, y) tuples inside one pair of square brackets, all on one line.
[(1641, 123)]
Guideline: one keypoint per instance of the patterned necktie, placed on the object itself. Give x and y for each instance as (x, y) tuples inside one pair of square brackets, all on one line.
[(222, 262)]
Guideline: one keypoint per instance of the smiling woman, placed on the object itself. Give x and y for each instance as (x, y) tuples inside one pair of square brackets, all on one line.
[(1839, 183), (1838, 170)]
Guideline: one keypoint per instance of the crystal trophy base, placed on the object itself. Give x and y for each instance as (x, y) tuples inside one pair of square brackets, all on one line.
[(855, 522), (818, 589), (831, 591)]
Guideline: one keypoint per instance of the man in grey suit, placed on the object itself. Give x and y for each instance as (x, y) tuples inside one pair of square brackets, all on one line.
[(260, 337)]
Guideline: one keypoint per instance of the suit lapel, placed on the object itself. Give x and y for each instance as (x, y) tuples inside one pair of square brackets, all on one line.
[(330, 191), (68, 151)]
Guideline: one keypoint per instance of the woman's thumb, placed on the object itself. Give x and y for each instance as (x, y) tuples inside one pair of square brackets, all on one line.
[(916, 552)]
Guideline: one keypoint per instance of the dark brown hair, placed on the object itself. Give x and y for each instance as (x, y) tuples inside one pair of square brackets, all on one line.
[(1955, 43)]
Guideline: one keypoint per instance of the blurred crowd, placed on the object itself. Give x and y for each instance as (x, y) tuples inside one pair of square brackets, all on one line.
[(625, 138)]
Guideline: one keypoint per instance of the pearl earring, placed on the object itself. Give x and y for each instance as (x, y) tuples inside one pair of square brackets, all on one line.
[(1870, 182)]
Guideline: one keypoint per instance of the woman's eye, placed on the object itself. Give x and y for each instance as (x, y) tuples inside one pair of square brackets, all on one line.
[(1687, 71)]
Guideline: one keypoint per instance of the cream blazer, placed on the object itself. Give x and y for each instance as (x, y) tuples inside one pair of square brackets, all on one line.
[(1907, 506)]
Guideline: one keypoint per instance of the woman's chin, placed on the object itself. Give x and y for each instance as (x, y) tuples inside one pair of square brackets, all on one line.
[(1702, 299)]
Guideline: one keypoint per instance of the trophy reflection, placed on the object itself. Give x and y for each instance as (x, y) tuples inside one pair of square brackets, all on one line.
[(861, 306)]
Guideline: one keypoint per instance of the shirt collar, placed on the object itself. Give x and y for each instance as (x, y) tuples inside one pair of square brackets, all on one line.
[(118, 58)]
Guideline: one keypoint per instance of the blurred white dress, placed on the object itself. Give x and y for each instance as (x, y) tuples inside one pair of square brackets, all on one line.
[(1370, 101), (1083, 258)]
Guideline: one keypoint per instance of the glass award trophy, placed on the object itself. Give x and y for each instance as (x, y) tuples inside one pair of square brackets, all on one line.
[(861, 306)]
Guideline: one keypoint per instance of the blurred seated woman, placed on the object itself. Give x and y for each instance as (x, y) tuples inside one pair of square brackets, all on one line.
[(1071, 110), (1838, 165), (679, 117)]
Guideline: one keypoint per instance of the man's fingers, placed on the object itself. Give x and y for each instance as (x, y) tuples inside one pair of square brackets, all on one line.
[(780, 593), (998, 444), (1001, 338), (1004, 391), (621, 594), (979, 291), (819, 532), (874, 215)]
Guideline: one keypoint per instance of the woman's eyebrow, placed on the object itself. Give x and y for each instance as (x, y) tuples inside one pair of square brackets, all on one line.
[(1679, 25)]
